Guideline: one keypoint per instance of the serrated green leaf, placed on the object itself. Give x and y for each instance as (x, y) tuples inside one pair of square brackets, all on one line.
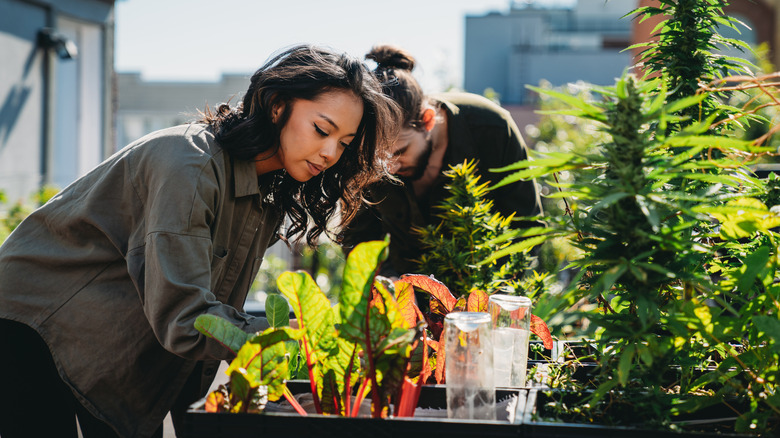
[(624, 365)]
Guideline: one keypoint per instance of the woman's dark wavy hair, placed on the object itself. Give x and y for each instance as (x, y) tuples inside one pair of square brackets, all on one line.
[(394, 71), (305, 72)]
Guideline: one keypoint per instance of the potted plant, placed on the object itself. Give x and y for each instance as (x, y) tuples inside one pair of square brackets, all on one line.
[(355, 357), (469, 231), (676, 245)]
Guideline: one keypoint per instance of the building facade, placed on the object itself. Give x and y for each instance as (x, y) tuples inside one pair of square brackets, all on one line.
[(146, 106), (507, 51), (56, 98)]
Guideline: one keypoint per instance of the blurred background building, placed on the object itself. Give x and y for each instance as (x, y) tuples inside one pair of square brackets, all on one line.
[(64, 109), (507, 51), (56, 99), (146, 106)]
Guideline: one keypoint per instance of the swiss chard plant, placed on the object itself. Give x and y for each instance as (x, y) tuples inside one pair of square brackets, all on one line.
[(361, 347), (259, 369)]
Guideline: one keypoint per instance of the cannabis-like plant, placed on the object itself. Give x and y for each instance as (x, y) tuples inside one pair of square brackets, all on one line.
[(685, 51), (661, 233), (676, 247), (465, 235)]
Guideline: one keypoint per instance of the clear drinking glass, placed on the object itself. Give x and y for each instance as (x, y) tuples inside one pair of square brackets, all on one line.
[(468, 347), (511, 323)]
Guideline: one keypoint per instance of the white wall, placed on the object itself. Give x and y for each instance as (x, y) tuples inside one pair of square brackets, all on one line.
[(21, 98), (78, 127)]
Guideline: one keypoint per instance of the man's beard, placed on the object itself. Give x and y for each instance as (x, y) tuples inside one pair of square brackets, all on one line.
[(422, 163)]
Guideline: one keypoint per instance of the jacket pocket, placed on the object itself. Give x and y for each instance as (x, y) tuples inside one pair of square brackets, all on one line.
[(218, 262)]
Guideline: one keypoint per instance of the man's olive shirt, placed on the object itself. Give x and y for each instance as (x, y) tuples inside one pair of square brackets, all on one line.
[(113, 271), (477, 129)]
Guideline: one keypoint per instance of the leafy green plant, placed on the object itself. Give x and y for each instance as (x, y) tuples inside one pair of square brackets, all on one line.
[(675, 246), (465, 235), (685, 53), (359, 347), (257, 373), (558, 131), (468, 232)]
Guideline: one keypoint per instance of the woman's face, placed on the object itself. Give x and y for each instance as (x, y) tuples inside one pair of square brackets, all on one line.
[(315, 135)]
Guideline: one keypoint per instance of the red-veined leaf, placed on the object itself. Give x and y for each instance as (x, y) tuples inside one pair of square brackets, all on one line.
[(222, 331), (316, 319), (404, 295), (478, 301), (265, 360), (434, 287), (215, 402), (357, 288), (539, 328)]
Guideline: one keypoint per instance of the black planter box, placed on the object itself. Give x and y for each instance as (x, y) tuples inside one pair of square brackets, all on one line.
[(706, 420), (200, 424)]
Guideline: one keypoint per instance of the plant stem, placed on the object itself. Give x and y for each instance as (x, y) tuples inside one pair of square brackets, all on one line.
[(293, 402)]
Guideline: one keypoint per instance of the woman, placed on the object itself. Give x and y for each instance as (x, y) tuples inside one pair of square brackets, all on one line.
[(438, 131), (100, 287)]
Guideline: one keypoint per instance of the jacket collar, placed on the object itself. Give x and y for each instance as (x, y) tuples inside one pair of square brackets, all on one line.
[(244, 178)]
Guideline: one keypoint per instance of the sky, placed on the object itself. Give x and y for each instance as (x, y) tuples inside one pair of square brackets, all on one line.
[(199, 40)]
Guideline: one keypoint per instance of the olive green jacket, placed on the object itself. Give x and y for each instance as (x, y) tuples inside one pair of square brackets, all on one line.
[(113, 271), (477, 129)]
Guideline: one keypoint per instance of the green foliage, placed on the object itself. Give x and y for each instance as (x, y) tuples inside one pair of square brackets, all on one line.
[(686, 50), (15, 214), (277, 311), (465, 236), (676, 246), (558, 131), (362, 343), (650, 257), (259, 369)]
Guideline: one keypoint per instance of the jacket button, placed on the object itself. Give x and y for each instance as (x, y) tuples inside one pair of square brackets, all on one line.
[(209, 372)]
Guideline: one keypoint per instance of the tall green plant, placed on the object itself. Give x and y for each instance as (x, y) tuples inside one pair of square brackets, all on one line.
[(675, 244), (686, 50)]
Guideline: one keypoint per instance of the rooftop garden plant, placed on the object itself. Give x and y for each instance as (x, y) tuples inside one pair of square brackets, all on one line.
[(676, 239), (361, 347), (371, 345)]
